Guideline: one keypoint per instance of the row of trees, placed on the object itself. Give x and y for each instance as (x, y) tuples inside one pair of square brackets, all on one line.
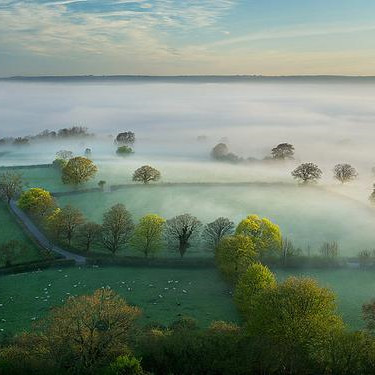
[(78, 170), (118, 229), (282, 151), (310, 172), (306, 172), (64, 133)]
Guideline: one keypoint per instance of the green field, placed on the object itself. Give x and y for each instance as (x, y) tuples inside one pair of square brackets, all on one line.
[(164, 294), (307, 215), (10, 229)]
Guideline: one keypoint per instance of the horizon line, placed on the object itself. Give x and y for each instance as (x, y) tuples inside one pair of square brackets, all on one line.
[(182, 75)]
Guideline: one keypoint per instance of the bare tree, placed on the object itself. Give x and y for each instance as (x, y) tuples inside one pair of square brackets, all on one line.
[(181, 229), (88, 234), (288, 250), (366, 258), (344, 172), (65, 221), (10, 185), (215, 231), (117, 228), (283, 151), (329, 249), (307, 172)]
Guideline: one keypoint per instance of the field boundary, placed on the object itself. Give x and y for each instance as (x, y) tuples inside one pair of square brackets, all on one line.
[(154, 262), (10, 167), (114, 188), (36, 265)]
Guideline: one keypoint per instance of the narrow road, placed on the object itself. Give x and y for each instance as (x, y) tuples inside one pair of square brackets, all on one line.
[(41, 238)]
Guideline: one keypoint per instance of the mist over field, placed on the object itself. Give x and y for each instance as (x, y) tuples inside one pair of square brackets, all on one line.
[(176, 126), (325, 122)]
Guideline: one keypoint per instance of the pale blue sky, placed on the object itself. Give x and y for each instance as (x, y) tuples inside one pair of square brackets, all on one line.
[(171, 37)]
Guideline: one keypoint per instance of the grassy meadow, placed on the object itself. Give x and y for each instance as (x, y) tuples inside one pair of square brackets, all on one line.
[(164, 294)]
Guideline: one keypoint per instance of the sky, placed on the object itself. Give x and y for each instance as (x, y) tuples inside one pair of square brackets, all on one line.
[(177, 37)]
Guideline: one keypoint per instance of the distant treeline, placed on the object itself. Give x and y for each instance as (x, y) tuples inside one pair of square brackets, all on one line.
[(64, 133), (199, 78)]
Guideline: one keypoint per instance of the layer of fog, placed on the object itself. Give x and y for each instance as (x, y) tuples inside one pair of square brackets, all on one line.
[(327, 123)]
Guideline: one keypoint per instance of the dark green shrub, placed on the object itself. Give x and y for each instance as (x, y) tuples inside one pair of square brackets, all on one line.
[(124, 150)]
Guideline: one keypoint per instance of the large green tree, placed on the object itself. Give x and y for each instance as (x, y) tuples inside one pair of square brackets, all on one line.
[(234, 254), (283, 151), (88, 331), (292, 322), (78, 170), (37, 201), (65, 221), (255, 279), (147, 236), (265, 234), (117, 228), (307, 172), (146, 174)]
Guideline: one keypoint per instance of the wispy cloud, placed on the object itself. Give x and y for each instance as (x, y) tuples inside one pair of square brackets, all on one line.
[(115, 27), (295, 32)]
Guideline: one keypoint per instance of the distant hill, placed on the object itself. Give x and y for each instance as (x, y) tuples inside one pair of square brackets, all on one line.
[(197, 78)]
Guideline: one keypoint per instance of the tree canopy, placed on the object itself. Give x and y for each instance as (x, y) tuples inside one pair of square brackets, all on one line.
[(65, 221), (283, 151), (255, 279), (147, 236), (234, 254), (146, 174), (124, 150), (117, 228), (265, 235), (307, 172), (125, 138), (293, 319), (37, 201), (88, 330), (78, 170), (344, 173)]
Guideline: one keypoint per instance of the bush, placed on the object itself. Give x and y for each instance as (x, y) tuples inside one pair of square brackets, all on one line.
[(125, 365), (124, 150)]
